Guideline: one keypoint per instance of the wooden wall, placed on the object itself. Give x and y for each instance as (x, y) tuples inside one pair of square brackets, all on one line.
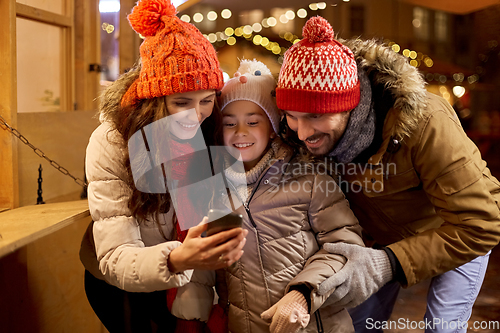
[(63, 137), (42, 288)]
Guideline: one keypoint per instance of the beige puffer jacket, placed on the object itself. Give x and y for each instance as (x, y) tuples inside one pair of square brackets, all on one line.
[(125, 254), (290, 214)]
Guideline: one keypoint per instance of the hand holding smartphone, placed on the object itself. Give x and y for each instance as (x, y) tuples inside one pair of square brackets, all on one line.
[(224, 222)]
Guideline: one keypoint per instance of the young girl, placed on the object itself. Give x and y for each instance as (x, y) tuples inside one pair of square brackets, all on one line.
[(290, 211), (133, 251)]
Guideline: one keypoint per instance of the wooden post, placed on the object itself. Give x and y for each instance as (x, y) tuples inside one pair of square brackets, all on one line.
[(87, 47), (129, 41), (9, 187)]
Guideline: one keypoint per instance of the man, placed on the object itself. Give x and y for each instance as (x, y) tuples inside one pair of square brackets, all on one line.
[(415, 181)]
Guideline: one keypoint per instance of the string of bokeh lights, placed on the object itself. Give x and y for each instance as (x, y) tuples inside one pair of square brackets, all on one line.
[(250, 33)]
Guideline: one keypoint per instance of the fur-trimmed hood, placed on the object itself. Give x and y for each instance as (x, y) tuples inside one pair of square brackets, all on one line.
[(394, 72), (109, 100)]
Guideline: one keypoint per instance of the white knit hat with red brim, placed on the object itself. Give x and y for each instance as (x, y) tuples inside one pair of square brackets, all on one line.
[(319, 74)]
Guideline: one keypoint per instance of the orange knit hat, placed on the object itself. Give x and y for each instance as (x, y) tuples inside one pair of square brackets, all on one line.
[(175, 56)]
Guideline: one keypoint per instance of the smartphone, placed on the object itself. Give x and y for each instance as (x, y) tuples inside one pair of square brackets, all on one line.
[(225, 221)]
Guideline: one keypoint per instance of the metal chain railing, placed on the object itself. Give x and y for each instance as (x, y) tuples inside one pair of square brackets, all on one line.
[(15, 132)]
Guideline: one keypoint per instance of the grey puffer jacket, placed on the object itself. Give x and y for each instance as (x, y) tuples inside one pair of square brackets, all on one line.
[(290, 214)]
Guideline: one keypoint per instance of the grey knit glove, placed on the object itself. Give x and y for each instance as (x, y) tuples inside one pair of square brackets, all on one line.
[(364, 273)]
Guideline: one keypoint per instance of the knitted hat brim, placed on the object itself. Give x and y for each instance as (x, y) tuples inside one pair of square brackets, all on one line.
[(272, 113), (314, 101), (179, 83)]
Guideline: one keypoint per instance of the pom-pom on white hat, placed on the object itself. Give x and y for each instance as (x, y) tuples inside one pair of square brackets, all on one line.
[(253, 82)]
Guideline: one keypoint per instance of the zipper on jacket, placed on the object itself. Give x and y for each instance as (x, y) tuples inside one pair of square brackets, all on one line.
[(245, 204), (319, 324)]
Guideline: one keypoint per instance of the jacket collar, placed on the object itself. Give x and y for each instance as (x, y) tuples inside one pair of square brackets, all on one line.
[(393, 71)]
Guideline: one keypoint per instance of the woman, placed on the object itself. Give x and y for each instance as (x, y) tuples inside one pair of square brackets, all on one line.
[(133, 251)]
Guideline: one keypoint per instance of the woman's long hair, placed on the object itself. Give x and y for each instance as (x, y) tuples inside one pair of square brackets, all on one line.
[(147, 206)]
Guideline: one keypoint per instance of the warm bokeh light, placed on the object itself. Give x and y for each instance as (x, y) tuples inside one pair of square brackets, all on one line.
[(212, 37), (459, 77), (212, 16), (290, 15), (321, 5), (247, 30), (414, 63), (413, 55), (302, 13), (231, 40), (264, 42), (226, 13), (221, 36), (229, 31), (257, 39), (238, 31), (198, 17), (396, 48), (257, 27), (283, 19), (458, 91), (406, 53), (272, 21), (313, 6), (428, 62), (186, 18), (473, 78)]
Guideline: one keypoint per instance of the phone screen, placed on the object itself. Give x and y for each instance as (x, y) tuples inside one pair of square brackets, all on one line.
[(225, 222)]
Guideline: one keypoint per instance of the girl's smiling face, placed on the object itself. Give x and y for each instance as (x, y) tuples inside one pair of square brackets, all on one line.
[(247, 129)]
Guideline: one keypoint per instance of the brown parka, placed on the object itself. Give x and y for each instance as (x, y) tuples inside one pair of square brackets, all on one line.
[(426, 193)]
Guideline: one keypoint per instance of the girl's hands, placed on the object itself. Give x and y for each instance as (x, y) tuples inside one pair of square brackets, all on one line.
[(208, 253)]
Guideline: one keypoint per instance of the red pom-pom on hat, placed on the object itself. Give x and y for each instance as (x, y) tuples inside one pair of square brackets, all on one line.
[(146, 16), (318, 30)]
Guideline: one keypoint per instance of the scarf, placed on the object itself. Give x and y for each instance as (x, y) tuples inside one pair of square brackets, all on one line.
[(187, 212), (360, 129), (179, 171), (245, 181)]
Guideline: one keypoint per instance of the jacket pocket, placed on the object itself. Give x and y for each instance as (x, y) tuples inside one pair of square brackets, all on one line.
[(458, 179), (398, 183)]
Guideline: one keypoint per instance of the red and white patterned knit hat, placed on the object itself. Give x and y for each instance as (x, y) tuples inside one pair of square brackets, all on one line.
[(319, 74)]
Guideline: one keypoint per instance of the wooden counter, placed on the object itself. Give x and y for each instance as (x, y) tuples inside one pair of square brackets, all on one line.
[(41, 276), (21, 226)]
